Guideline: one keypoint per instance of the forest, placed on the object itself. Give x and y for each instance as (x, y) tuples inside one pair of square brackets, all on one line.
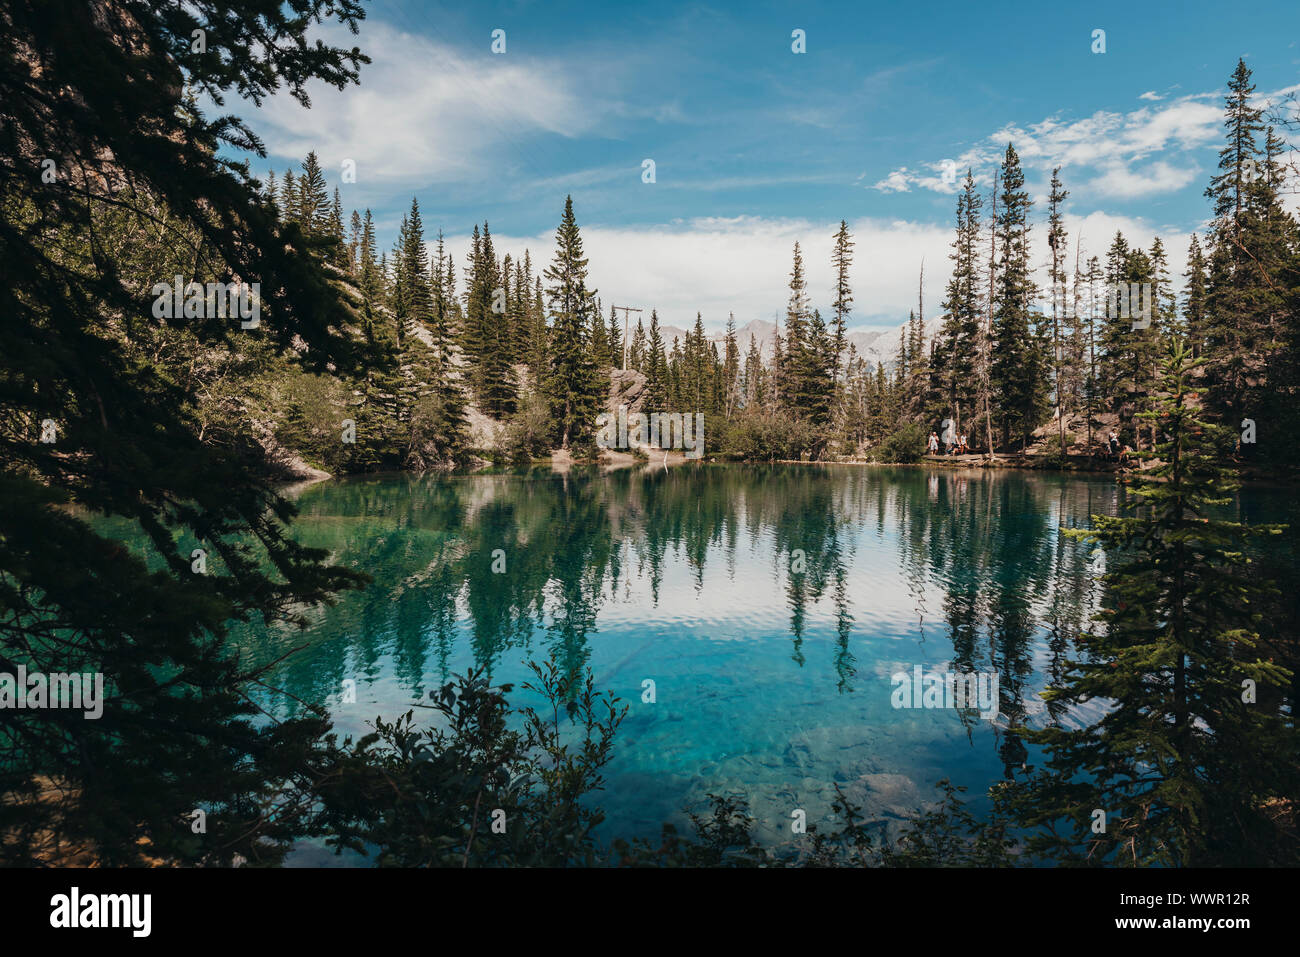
[(532, 349), (113, 180)]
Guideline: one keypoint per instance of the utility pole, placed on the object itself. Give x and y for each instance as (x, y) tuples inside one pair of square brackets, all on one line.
[(626, 310)]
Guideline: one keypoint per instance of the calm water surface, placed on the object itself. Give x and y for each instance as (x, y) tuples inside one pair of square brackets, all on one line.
[(771, 682)]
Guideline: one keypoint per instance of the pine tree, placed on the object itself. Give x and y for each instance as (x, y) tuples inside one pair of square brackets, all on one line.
[(1128, 353), (1181, 761), (354, 245), (1194, 297), (539, 340), (615, 339), (475, 306), (440, 427), (755, 384), (1018, 374), (521, 318), (415, 304), (313, 198), (957, 359), (793, 370), (600, 350), (731, 371), (1056, 239), (841, 260), (497, 391), (289, 199), (575, 391), (637, 350), (656, 370), (179, 727), (1236, 290), (334, 230), (369, 274)]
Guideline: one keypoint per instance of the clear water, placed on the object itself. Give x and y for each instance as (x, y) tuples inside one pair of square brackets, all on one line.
[(770, 683)]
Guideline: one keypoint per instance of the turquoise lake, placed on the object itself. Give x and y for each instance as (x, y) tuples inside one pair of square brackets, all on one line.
[(769, 605)]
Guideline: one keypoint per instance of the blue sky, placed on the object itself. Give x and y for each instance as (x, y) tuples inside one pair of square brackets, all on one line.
[(756, 146)]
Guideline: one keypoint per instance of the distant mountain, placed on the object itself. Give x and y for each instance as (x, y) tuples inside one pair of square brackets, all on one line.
[(874, 346)]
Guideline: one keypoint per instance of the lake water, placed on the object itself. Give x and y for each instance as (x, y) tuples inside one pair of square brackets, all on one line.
[(770, 606)]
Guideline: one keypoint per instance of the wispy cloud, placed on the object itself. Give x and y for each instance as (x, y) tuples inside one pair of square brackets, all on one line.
[(426, 113), (1144, 152)]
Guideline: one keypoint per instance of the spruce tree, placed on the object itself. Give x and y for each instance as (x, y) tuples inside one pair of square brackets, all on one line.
[(731, 370), (313, 198), (497, 390), (1056, 239), (636, 350), (1237, 295), (1194, 297), (574, 390), (615, 339), (1018, 369), (841, 260), (1191, 746), (957, 359), (439, 427), (103, 93), (656, 369)]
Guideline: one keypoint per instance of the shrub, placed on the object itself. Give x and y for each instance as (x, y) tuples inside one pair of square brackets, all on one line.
[(904, 446)]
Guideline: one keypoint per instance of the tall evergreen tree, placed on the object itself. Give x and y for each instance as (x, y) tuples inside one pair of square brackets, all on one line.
[(615, 339), (1182, 761), (656, 368), (731, 370), (841, 260), (1237, 297), (1056, 240), (313, 198), (574, 390), (497, 390), (1018, 370), (101, 89), (957, 359), (1194, 297)]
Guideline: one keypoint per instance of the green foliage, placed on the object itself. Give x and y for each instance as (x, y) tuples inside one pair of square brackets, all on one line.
[(763, 436), (112, 97), (528, 434), (574, 389), (905, 446), (1182, 762), (431, 797)]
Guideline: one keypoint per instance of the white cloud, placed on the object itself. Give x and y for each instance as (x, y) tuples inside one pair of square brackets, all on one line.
[(1150, 95), (1121, 182), (897, 181), (1124, 152), (742, 264), (410, 123)]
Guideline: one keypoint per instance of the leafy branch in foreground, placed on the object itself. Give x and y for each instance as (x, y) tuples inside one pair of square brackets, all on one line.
[(495, 786), (488, 786)]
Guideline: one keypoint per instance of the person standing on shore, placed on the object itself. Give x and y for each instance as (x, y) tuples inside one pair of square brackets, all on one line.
[(933, 444)]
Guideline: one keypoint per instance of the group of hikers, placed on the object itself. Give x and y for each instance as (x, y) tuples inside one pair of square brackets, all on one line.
[(952, 444), (1119, 452), (956, 445)]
